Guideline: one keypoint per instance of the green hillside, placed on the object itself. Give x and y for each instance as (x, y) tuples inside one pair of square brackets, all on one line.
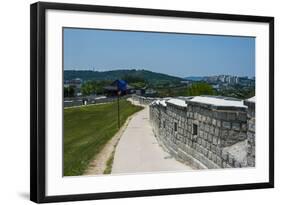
[(149, 76)]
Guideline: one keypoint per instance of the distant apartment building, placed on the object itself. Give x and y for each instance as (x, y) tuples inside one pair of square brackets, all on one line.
[(230, 80), (222, 78)]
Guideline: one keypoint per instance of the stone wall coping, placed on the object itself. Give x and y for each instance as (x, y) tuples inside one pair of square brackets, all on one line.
[(209, 102), (207, 106), (252, 99), (216, 107), (249, 103), (218, 101), (178, 102)]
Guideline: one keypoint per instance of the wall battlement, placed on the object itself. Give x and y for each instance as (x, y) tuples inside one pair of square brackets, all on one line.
[(205, 132)]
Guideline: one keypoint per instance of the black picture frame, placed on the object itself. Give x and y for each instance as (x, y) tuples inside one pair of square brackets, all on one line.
[(38, 100)]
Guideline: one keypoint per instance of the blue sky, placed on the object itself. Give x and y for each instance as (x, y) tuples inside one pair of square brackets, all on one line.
[(174, 54)]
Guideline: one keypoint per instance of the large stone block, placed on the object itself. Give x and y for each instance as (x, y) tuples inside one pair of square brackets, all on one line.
[(210, 155), (207, 128), (219, 161), (204, 118), (244, 127), (226, 125), (189, 142), (222, 115), (200, 133), (215, 140), (219, 141), (208, 145), (205, 152), (205, 136), (213, 148), (204, 143), (224, 156), (231, 116), (230, 160), (251, 162), (210, 138), (242, 116), (214, 122), (218, 123), (212, 130), (251, 137), (214, 157), (236, 126), (217, 132), (218, 151), (199, 140), (200, 149), (242, 135), (251, 127), (199, 117), (189, 135)]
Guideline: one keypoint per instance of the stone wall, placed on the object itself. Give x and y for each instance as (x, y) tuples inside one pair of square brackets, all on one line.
[(203, 135), (143, 100), (251, 145)]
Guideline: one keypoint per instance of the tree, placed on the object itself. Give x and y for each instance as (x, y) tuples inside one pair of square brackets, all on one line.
[(199, 89), (69, 91), (94, 86), (87, 88)]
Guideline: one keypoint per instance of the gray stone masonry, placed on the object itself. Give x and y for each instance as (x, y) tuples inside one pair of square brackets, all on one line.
[(251, 137), (143, 100), (200, 134)]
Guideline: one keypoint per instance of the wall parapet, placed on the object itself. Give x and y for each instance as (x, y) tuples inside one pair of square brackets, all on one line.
[(251, 143), (143, 100), (206, 132)]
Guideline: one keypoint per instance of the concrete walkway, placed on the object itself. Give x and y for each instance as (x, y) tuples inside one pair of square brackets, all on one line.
[(139, 151)]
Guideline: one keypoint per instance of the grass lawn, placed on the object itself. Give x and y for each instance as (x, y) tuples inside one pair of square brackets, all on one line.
[(86, 131)]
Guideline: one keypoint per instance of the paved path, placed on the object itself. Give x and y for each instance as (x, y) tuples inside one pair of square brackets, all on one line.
[(139, 151)]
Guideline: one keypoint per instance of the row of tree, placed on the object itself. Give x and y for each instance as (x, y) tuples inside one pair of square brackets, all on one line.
[(96, 87), (137, 82), (200, 89), (195, 89)]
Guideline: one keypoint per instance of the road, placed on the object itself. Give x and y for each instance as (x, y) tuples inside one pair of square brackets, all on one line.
[(139, 151)]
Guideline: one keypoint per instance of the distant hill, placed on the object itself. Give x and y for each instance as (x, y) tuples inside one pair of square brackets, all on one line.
[(148, 76), (194, 78)]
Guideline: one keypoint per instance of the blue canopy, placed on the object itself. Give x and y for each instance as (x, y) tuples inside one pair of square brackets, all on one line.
[(121, 85)]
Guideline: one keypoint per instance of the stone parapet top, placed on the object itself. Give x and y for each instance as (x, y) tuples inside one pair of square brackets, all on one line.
[(212, 103)]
